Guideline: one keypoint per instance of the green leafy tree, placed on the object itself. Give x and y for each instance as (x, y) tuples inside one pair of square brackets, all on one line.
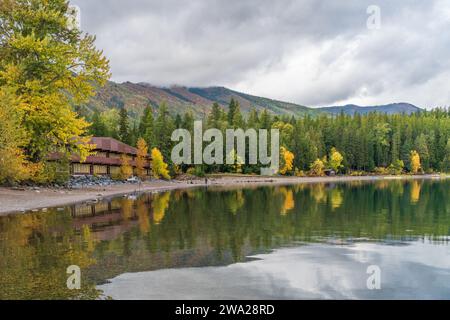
[(51, 66)]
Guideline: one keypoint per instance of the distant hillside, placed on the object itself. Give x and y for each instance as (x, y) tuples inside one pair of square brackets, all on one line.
[(136, 96), (392, 108)]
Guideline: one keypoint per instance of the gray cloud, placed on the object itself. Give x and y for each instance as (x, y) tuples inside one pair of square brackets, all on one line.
[(310, 52)]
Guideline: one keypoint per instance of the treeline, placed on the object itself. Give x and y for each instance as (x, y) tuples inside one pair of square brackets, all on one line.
[(358, 144)]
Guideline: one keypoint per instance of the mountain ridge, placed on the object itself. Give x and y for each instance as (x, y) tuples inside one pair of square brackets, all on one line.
[(179, 99), (391, 108)]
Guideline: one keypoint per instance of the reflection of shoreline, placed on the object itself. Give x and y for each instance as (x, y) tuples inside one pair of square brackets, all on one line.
[(194, 228), (20, 201)]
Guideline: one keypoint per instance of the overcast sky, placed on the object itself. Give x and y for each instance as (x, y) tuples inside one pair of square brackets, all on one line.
[(311, 52)]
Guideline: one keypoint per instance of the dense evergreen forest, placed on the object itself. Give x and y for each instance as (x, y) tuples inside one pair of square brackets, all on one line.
[(379, 143)]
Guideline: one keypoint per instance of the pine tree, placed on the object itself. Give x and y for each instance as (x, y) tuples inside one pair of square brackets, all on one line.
[(215, 117), (98, 128), (146, 127), (445, 164), (421, 146), (178, 122), (188, 121), (265, 121), (232, 111), (124, 129), (238, 119), (164, 126), (253, 119)]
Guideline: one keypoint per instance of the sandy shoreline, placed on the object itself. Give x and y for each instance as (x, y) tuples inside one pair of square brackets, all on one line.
[(14, 200)]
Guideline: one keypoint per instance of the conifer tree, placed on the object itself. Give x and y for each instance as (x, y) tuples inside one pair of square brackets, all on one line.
[(124, 127)]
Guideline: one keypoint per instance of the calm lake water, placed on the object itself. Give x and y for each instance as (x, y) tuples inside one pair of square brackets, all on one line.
[(276, 242)]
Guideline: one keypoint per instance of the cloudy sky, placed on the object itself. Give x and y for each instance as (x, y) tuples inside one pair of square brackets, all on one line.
[(311, 52)]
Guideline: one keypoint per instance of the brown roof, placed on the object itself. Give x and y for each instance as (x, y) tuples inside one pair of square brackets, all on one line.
[(112, 145), (104, 144)]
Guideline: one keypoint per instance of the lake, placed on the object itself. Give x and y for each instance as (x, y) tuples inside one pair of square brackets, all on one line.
[(307, 241)]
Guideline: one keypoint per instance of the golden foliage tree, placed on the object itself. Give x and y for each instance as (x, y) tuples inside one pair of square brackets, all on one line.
[(159, 167), (414, 159), (336, 159), (288, 161), (126, 170), (160, 204), (317, 168), (289, 202), (13, 166), (141, 159), (51, 66)]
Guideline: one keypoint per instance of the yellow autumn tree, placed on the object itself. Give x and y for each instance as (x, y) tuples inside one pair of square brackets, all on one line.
[(159, 167), (288, 161), (414, 159), (13, 164), (126, 170), (415, 191), (160, 204), (289, 202), (336, 159), (50, 65), (317, 168), (141, 158), (142, 211)]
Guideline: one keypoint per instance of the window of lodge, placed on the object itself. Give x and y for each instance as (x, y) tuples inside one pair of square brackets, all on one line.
[(81, 168), (100, 169), (114, 155), (114, 170), (101, 154)]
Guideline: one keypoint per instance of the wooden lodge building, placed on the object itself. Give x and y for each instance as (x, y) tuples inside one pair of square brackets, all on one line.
[(107, 158)]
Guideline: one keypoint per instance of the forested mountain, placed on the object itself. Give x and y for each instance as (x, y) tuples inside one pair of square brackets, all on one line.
[(135, 97), (374, 142)]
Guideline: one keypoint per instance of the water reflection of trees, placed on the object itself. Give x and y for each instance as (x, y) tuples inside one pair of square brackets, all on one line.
[(35, 251), (196, 228)]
